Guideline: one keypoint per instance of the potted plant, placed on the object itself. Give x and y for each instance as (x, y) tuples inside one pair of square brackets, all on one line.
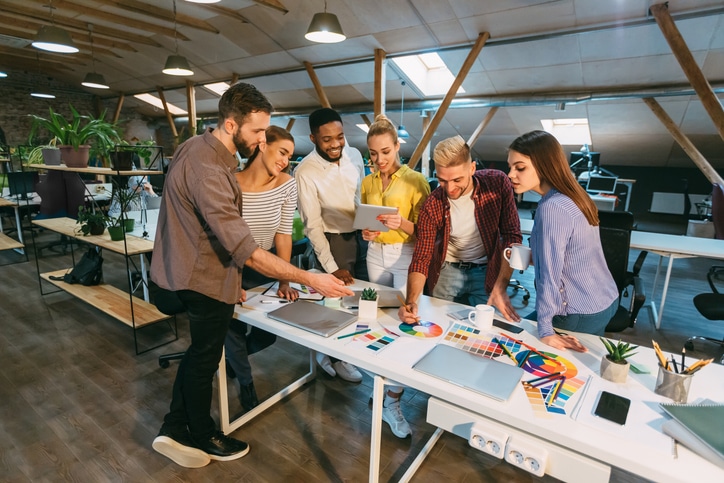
[(91, 222), (45, 154), (614, 366), (78, 136), (368, 304), (121, 200)]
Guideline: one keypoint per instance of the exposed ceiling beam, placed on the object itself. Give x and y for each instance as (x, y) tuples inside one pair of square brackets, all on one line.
[(275, 4), (481, 127), (380, 82), (30, 63), (28, 30), (15, 10), (120, 19), (157, 12), (31, 53), (323, 100), (227, 12)]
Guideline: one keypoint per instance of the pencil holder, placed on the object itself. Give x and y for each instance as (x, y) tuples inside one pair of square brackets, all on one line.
[(673, 385)]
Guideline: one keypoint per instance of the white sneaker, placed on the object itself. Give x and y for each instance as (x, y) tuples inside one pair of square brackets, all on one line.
[(392, 415), (326, 364), (347, 371)]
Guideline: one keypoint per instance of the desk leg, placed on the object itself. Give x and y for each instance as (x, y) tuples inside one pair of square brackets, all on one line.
[(657, 320), (415, 465), (144, 277), (378, 397), (20, 231)]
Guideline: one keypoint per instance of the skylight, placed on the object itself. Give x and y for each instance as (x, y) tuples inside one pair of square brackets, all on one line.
[(427, 72), (571, 132), (217, 88), (156, 102)]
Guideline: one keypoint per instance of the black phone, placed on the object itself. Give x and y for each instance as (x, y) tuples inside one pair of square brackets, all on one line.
[(506, 326), (612, 407)]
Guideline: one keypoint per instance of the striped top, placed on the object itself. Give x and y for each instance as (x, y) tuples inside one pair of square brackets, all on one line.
[(571, 274), (270, 212)]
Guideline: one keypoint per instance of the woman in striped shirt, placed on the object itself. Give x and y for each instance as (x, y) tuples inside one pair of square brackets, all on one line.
[(269, 199), (574, 288)]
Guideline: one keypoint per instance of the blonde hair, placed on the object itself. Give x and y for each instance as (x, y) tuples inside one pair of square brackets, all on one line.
[(382, 125), (452, 151)]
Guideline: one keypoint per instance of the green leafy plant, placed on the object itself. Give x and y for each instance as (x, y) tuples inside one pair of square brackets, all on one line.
[(123, 198), (90, 221), (35, 156), (619, 351), (369, 294), (80, 129), (145, 149)]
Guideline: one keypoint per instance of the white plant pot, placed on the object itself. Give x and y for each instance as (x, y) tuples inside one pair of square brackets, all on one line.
[(367, 309), (614, 372)]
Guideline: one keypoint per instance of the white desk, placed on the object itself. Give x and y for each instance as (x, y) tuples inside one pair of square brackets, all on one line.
[(577, 450)]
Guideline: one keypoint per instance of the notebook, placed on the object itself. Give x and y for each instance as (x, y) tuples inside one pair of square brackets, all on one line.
[(702, 422), (462, 368), (312, 317), (385, 299)]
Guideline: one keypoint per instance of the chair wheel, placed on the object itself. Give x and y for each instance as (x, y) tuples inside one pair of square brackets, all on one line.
[(689, 345), (163, 363), (526, 297)]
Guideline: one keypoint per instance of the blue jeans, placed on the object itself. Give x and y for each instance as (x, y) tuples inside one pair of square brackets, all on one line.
[(192, 389), (464, 286), (587, 323)]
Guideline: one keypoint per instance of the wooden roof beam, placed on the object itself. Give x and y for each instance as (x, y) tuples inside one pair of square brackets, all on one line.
[(481, 127), (317, 85), (380, 82), (169, 117), (28, 30), (275, 4), (155, 12)]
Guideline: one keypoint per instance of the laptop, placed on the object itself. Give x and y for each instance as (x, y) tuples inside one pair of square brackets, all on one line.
[(312, 317), (385, 299), (479, 374)]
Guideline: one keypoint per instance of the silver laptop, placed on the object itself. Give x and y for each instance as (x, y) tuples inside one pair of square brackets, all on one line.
[(385, 299), (479, 374), (312, 317)]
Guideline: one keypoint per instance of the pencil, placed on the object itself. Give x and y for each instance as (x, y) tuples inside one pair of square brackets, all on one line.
[(407, 307), (529, 347), (673, 361), (683, 357), (547, 376), (561, 381), (505, 349), (660, 355), (354, 333)]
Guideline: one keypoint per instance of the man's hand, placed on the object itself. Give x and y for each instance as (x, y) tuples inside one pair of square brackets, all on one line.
[(242, 299), (287, 292), (408, 313), (344, 276), (564, 342), (500, 300), (329, 285)]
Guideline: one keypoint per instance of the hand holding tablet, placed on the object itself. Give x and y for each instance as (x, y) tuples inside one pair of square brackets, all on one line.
[(366, 217)]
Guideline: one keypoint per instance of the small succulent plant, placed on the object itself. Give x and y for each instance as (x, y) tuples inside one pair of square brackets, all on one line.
[(618, 351), (369, 294)]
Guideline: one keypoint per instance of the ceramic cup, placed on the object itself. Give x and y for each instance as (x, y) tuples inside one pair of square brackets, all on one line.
[(518, 256), (482, 316)]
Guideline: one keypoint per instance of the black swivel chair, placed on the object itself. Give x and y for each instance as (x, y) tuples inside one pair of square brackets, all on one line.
[(615, 232)]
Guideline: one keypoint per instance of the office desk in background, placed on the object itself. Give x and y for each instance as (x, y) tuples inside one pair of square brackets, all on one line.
[(582, 449)]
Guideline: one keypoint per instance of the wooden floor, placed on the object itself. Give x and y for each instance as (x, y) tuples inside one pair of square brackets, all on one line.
[(79, 405)]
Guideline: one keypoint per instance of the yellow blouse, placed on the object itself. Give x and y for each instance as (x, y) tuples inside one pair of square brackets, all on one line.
[(407, 191)]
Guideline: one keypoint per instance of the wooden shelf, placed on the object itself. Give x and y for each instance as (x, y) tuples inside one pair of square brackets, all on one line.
[(110, 300), (68, 226), (94, 170), (7, 243)]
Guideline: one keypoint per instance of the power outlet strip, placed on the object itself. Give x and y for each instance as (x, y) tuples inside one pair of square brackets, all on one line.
[(488, 440), (526, 455)]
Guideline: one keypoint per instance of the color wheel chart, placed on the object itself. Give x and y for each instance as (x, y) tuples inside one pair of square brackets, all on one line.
[(555, 378)]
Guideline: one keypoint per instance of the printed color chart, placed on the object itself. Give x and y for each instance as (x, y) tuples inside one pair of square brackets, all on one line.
[(470, 339), (376, 340)]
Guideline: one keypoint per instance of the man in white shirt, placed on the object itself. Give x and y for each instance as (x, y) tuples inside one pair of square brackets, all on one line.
[(328, 186)]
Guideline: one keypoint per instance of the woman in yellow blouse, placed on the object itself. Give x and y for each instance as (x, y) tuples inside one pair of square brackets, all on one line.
[(392, 184), (390, 253)]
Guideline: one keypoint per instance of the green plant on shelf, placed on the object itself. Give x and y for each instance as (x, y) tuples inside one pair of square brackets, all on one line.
[(369, 294), (619, 351), (91, 222)]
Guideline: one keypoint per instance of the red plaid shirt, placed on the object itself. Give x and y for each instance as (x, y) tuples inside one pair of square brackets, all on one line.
[(495, 215)]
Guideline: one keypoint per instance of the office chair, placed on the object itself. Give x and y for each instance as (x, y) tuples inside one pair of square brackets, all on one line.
[(615, 232)]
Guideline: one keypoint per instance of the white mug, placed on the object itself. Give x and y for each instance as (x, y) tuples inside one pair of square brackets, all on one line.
[(482, 316), (518, 256)]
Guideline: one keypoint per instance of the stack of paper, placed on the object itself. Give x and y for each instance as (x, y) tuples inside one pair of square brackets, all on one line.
[(698, 427)]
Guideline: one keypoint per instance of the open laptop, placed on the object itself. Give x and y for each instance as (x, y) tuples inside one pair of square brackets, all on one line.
[(385, 299), (479, 374), (312, 317)]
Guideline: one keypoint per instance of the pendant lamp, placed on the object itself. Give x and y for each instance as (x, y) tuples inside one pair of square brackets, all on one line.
[(93, 79), (176, 64), (54, 39), (325, 28), (401, 131)]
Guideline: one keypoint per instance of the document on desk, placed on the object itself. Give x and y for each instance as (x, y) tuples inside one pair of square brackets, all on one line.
[(305, 293)]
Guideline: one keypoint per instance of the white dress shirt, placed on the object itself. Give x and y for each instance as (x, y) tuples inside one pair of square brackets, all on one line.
[(328, 197)]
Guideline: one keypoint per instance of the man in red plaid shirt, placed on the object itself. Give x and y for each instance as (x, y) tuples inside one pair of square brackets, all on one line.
[(462, 230)]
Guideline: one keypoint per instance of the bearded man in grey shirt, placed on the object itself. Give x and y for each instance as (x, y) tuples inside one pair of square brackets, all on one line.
[(201, 244)]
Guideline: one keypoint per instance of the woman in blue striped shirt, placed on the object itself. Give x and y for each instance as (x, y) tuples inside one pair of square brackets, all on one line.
[(574, 288)]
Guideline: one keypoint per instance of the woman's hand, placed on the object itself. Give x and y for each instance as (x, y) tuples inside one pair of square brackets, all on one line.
[(369, 235), (564, 341), (393, 221), (408, 313), (287, 292)]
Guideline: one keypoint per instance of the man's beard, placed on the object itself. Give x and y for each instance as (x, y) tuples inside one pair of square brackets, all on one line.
[(241, 146), (326, 157)]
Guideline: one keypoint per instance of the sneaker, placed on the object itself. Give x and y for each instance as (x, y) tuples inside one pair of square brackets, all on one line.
[(392, 415), (221, 447), (347, 371), (180, 448), (326, 364)]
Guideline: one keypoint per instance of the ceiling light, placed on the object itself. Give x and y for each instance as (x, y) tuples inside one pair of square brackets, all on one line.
[(325, 28), (42, 95), (94, 81), (3, 74), (54, 39), (401, 131), (176, 64)]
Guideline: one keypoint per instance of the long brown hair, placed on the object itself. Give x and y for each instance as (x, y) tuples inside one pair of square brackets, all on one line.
[(549, 161), (273, 134)]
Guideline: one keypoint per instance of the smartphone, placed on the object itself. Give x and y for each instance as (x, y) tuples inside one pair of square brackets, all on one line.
[(516, 329), (612, 407)]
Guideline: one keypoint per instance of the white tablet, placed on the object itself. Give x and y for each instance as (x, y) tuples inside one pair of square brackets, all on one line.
[(366, 217)]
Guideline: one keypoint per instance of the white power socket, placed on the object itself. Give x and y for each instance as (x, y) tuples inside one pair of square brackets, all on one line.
[(526, 455), (488, 440)]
